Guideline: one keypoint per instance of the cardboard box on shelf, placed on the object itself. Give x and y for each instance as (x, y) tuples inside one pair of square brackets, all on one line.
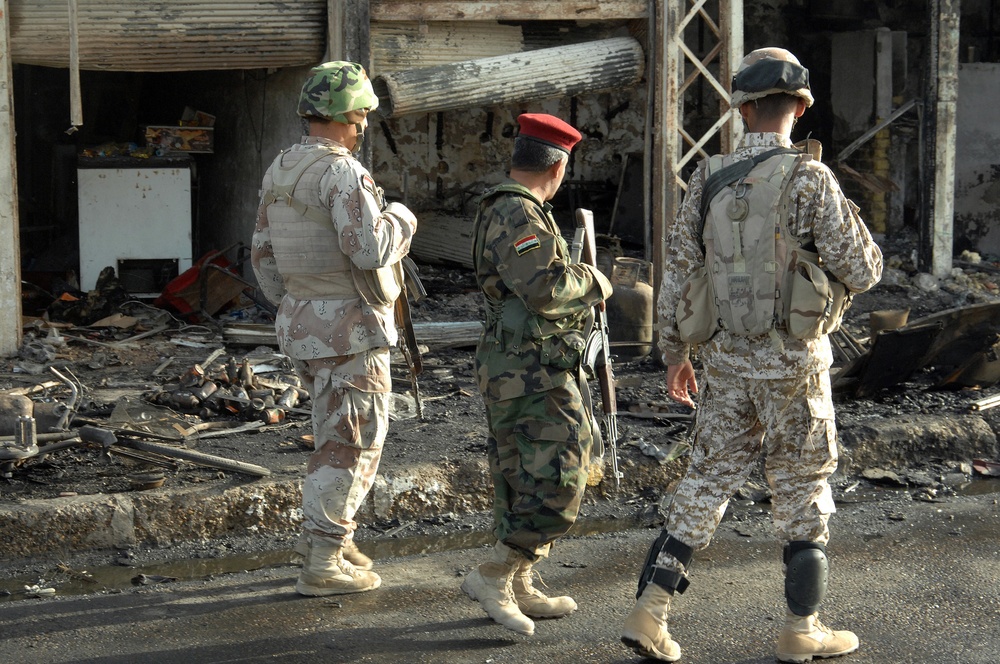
[(181, 139), (194, 118)]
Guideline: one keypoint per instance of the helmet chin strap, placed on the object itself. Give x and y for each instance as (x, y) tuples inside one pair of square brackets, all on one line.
[(359, 138)]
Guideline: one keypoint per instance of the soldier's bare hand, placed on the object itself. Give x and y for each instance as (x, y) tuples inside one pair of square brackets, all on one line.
[(681, 383)]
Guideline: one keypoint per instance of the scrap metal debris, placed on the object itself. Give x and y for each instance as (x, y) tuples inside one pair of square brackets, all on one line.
[(231, 387), (150, 579), (985, 403), (962, 345), (39, 590), (226, 394), (662, 453), (987, 468)]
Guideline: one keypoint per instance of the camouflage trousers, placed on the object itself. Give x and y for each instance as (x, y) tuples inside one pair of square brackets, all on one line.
[(792, 422), (539, 452), (350, 420)]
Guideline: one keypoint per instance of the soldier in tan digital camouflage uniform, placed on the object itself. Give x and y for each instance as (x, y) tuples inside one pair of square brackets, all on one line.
[(539, 311), (327, 247), (767, 394)]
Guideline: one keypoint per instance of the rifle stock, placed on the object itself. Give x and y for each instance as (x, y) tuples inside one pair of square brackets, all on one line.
[(602, 365)]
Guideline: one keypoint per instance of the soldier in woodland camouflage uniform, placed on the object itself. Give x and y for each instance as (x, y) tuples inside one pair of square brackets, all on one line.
[(539, 310), (763, 394), (327, 247)]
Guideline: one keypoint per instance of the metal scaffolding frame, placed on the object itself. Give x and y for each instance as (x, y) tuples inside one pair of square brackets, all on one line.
[(697, 48)]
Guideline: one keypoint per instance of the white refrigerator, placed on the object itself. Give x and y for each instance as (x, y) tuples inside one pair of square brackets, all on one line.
[(134, 218)]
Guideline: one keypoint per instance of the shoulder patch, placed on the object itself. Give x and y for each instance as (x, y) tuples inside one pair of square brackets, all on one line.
[(369, 184), (526, 244)]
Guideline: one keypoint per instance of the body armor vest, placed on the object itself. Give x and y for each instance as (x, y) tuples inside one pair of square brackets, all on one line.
[(305, 241)]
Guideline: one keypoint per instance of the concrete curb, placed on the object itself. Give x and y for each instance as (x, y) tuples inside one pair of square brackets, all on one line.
[(161, 517)]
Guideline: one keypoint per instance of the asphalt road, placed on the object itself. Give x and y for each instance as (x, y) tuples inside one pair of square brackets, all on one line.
[(918, 586)]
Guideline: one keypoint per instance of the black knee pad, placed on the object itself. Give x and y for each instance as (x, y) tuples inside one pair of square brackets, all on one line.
[(667, 579), (806, 571)]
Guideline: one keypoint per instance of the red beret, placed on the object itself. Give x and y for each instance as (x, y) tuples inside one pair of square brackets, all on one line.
[(548, 129)]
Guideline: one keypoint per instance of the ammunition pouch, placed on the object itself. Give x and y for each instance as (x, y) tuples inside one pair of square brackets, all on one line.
[(817, 301), (558, 348), (380, 286), (563, 351)]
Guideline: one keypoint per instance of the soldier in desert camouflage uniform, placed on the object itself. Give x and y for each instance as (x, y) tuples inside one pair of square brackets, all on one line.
[(327, 247), (539, 310), (763, 394)]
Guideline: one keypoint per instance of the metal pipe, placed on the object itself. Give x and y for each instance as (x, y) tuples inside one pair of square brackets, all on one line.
[(986, 403), (560, 71)]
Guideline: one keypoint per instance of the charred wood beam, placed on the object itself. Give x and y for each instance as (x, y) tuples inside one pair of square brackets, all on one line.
[(453, 334), (511, 10), (561, 71)]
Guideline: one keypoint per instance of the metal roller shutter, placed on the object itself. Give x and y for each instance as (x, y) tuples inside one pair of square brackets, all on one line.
[(171, 35)]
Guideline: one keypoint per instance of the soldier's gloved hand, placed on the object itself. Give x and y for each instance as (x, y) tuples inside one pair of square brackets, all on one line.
[(402, 213)]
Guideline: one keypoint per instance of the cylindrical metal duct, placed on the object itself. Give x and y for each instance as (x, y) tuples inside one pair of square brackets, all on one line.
[(541, 74), (170, 35)]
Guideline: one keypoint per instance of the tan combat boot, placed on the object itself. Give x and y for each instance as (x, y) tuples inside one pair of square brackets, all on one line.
[(351, 552), (490, 585), (533, 602), (325, 572), (805, 637), (645, 629)]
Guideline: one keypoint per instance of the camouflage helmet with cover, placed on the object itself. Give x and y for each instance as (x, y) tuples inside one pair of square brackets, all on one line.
[(768, 71), (335, 89)]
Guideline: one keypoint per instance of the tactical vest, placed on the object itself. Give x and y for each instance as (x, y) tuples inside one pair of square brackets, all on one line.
[(509, 314), (305, 241), (757, 276), (745, 247)]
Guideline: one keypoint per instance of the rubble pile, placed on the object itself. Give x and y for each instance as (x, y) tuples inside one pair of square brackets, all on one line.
[(232, 388)]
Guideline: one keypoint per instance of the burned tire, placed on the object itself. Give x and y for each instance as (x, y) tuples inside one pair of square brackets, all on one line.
[(200, 458)]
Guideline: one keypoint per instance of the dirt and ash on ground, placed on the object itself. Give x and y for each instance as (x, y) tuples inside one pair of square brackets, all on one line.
[(453, 426)]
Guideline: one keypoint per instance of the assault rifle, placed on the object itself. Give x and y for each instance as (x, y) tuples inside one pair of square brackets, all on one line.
[(404, 325), (598, 351)]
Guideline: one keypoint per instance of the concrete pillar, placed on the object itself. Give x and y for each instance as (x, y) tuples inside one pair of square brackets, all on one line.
[(10, 254), (944, 144)]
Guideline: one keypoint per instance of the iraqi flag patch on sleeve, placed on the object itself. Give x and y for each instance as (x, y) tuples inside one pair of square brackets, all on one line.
[(368, 183), (526, 244)]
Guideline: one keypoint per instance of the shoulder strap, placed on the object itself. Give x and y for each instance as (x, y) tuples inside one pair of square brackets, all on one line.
[(724, 177), (284, 180), (509, 188)]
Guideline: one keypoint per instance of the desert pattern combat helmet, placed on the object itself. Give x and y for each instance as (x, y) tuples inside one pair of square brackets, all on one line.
[(767, 71)]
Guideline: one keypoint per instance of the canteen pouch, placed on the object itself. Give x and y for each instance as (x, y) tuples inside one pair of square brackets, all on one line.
[(697, 318), (817, 302)]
